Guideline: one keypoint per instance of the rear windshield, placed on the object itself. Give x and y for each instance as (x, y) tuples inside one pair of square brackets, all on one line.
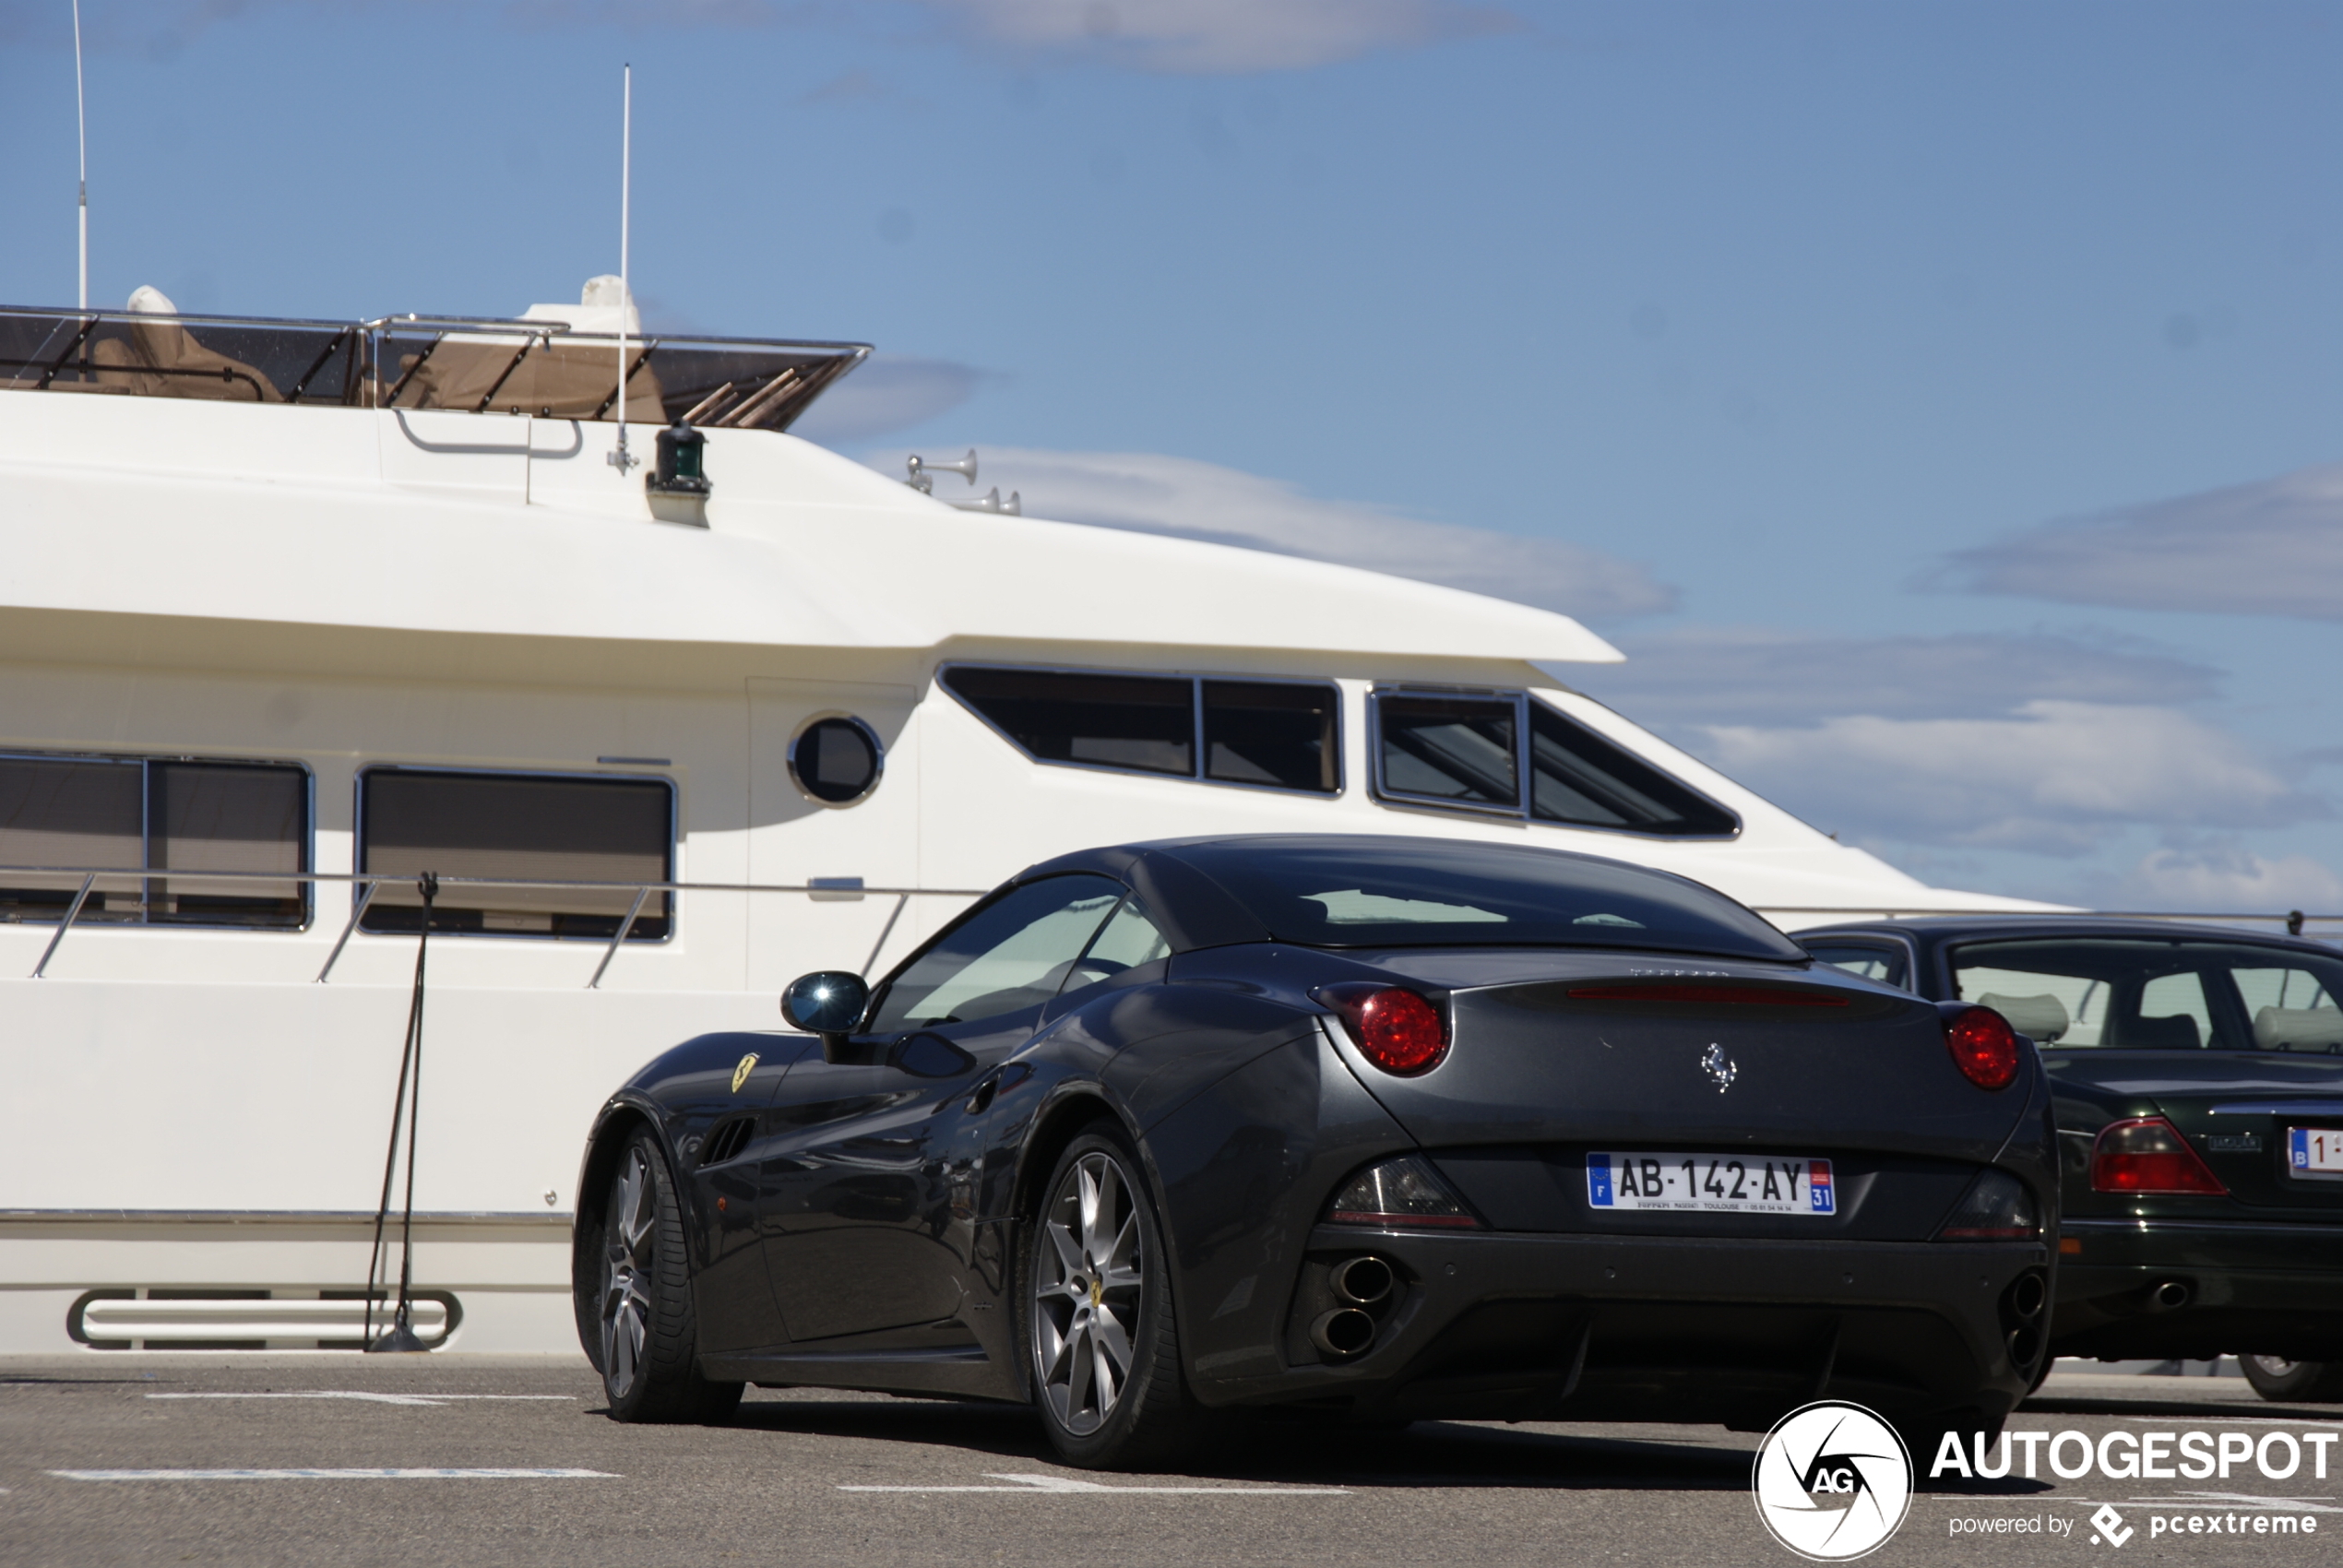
[(2145, 994), (1436, 893)]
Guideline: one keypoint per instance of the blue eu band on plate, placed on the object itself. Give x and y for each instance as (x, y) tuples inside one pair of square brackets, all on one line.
[(1711, 1183)]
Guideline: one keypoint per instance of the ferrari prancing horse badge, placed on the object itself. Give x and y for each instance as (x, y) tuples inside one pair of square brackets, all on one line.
[(739, 1073)]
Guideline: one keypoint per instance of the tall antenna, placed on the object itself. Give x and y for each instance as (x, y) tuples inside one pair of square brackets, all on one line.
[(620, 460), (81, 125)]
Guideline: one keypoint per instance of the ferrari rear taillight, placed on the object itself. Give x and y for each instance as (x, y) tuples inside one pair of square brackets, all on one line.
[(1392, 1027), (1982, 1045), (1997, 1207), (2147, 1154)]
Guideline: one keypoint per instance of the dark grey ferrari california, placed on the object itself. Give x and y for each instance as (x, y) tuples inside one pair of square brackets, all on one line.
[(1377, 1128)]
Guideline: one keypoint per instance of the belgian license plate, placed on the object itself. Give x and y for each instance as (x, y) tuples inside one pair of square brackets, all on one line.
[(1713, 1184), (2315, 1151)]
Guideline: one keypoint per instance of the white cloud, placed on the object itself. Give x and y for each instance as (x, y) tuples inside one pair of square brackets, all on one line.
[(1723, 675), (2223, 876), (2275, 548), (1225, 37), (888, 392), (2054, 778), (1149, 492)]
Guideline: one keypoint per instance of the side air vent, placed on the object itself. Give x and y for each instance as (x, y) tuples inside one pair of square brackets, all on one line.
[(727, 1141)]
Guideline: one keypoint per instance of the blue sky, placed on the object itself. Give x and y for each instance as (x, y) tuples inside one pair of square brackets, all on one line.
[(1936, 402)]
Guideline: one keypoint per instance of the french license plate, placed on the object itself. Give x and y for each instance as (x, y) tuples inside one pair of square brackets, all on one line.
[(2315, 1151), (1714, 1184)]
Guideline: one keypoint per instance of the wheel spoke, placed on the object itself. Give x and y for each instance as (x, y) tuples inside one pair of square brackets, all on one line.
[(1069, 1251), (1051, 1342), (1102, 1376), (1106, 1332), (1099, 1220), (1077, 1374), (1124, 1253), (1087, 1186)]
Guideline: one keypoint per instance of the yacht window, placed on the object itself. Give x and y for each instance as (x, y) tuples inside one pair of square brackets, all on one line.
[(215, 817), (1144, 724), (1582, 778), (1265, 732), (522, 827), (83, 814), (1454, 751), (1468, 751), (1277, 735)]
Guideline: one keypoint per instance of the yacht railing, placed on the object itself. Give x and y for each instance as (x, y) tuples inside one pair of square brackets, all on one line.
[(367, 884), (473, 364), (844, 889)]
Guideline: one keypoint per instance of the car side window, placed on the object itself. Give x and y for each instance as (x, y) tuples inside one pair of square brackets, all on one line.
[(2173, 1013), (1012, 954), (2290, 1009), (1127, 940), (1874, 961)]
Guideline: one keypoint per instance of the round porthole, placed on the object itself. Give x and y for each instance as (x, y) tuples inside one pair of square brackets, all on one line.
[(837, 761)]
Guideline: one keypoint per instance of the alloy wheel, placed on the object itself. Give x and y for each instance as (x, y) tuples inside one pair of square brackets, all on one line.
[(627, 1271), (1087, 1292)]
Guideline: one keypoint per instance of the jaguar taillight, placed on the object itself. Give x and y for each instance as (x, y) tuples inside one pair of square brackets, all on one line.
[(2147, 1154)]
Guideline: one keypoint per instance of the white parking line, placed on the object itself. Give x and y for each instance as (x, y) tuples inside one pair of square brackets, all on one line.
[(1038, 1486), (372, 1398), (306, 1475)]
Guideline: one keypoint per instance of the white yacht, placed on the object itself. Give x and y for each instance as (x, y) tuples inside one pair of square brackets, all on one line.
[(675, 708)]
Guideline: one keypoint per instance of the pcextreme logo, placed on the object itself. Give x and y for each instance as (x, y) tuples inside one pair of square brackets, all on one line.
[(1832, 1481)]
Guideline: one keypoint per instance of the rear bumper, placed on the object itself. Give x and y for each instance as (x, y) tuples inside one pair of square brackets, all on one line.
[(2250, 1289), (1573, 1327)]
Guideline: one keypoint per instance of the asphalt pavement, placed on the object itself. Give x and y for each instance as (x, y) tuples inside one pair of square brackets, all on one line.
[(120, 1459)]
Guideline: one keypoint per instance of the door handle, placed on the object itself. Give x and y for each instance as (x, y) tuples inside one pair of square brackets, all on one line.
[(983, 1097)]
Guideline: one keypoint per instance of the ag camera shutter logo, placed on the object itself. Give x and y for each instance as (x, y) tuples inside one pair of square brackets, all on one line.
[(1832, 1481)]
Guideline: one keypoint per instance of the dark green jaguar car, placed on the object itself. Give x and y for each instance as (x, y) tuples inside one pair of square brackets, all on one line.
[(2196, 1074)]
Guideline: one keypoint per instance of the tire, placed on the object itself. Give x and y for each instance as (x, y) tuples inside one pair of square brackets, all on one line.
[(643, 1307), (1101, 1347), (2275, 1377)]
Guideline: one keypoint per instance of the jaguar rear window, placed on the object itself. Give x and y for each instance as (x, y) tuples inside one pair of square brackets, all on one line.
[(2144, 995)]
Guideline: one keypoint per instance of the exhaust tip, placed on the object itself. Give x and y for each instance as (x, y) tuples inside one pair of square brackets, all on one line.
[(2029, 1295), (1362, 1281), (1345, 1331), (2171, 1295), (2024, 1343)]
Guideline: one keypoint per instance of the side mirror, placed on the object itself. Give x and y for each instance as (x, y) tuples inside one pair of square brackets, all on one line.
[(828, 1002)]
